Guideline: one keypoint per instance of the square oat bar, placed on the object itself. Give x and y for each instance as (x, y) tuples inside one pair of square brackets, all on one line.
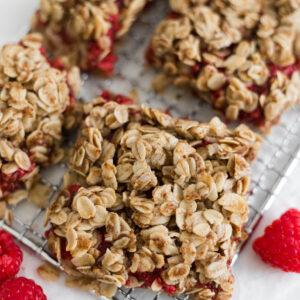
[(83, 32), (152, 201), (240, 56), (35, 104)]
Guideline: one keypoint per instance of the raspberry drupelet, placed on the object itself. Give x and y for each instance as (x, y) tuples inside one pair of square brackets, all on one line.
[(21, 288), (280, 244)]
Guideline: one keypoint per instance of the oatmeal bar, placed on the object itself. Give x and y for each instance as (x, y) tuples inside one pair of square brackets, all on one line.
[(241, 56), (33, 98), (83, 32), (152, 201)]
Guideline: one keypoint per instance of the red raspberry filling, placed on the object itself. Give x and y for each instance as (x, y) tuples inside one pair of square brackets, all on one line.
[(73, 189), (103, 245), (273, 69), (64, 36), (149, 277), (173, 15), (120, 99), (149, 55), (168, 112), (94, 51), (65, 255), (71, 101), (106, 64), (9, 183), (287, 70), (255, 117), (209, 286), (202, 144)]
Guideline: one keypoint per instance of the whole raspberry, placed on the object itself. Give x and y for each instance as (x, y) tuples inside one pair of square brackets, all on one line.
[(10, 256), (280, 245), (21, 288)]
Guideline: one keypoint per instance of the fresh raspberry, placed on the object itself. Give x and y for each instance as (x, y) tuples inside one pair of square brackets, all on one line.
[(280, 245), (21, 288), (10, 256)]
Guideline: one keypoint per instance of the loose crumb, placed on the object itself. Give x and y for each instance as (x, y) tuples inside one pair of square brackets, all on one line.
[(48, 272)]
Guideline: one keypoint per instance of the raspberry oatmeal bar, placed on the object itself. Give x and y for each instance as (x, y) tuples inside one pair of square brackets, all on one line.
[(152, 201), (33, 99), (241, 56), (83, 32)]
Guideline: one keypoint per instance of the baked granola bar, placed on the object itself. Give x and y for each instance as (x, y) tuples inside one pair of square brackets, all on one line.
[(240, 56), (152, 201), (33, 99), (83, 32)]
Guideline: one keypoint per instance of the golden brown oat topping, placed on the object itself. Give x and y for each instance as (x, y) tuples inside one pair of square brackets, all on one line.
[(33, 98), (82, 32), (242, 56), (152, 201)]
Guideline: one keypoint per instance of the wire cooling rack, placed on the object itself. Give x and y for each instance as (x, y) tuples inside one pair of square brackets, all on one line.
[(279, 155)]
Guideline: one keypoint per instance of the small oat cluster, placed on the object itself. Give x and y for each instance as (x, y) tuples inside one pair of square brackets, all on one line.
[(33, 99), (152, 201), (241, 56), (83, 32)]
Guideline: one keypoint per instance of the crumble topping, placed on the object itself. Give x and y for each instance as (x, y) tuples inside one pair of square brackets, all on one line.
[(241, 56), (152, 201), (33, 98), (83, 32)]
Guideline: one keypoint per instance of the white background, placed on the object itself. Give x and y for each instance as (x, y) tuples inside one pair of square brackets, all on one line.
[(254, 279)]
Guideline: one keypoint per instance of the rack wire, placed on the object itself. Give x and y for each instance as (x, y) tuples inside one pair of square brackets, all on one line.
[(278, 157)]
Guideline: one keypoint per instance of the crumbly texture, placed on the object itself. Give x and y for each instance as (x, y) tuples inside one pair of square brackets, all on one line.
[(83, 32), (21, 288), (280, 244), (33, 99), (241, 56), (152, 201), (11, 256), (48, 272)]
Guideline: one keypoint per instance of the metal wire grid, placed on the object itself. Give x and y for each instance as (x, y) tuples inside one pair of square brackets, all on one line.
[(278, 157)]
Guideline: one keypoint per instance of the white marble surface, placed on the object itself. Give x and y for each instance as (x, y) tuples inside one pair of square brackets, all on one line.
[(254, 279)]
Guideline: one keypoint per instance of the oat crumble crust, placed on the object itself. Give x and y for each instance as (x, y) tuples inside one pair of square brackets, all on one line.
[(83, 32), (152, 201), (34, 96), (240, 55)]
